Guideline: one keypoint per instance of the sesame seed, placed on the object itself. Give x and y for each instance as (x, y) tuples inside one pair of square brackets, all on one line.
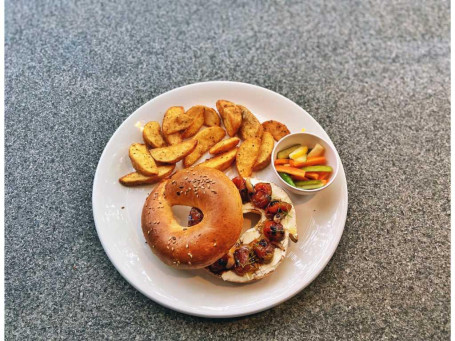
[(189, 254), (187, 245), (214, 244)]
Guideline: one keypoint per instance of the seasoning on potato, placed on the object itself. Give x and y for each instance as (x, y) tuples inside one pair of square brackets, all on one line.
[(247, 155), (197, 113), (174, 138), (277, 129), (250, 127), (152, 135), (174, 153), (221, 161), (175, 120), (211, 117), (265, 152), (231, 115), (224, 145), (206, 138), (137, 179), (142, 160)]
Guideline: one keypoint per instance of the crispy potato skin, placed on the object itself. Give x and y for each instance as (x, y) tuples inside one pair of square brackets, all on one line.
[(265, 152), (224, 145), (277, 129), (197, 113), (211, 117), (221, 161), (152, 135), (206, 139), (138, 179), (141, 159), (175, 120), (251, 127), (231, 115), (175, 153), (247, 155)]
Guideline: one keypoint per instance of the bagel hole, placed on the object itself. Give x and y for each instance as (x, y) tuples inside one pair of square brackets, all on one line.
[(250, 220), (181, 214)]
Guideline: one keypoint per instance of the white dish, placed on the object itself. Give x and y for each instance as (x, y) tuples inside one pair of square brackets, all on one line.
[(117, 210)]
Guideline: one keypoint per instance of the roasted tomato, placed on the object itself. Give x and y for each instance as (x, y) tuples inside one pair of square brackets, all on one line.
[(273, 231), (277, 207), (263, 250), (219, 265), (195, 216), (244, 260), (240, 183), (263, 187), (260, 199)]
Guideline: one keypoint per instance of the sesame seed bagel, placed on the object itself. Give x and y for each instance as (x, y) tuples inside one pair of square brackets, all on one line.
[(200, 245)]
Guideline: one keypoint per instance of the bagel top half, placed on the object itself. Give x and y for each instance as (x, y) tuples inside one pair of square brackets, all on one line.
[(200, 245)]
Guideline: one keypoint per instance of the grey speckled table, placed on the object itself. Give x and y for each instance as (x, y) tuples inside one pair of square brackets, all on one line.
[(374, 74)]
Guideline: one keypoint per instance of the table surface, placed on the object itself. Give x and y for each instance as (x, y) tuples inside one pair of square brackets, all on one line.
[(376, 77)]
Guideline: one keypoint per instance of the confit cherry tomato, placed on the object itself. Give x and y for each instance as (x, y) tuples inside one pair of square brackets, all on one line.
[(240, 183), (264, 250), (219, 265), (195, 216), (244, 262), (273, 231)]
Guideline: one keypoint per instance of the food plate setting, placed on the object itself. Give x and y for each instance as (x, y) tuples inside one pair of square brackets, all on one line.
[(305, 170)]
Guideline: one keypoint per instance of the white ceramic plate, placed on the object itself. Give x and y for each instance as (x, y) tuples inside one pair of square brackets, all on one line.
[(117, 211)]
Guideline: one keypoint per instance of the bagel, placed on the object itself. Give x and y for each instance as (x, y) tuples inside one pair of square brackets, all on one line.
[(255, 233), (198, 246)]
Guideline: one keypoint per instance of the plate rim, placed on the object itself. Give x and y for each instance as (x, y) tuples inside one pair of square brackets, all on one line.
[(216, 314)]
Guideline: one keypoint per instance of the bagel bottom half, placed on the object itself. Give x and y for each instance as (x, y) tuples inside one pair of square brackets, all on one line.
[(200, 245), (290, 227)]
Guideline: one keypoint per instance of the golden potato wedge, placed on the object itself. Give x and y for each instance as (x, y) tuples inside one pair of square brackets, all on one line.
[(265, 152), (231, 115), (137, 179), (152, 135), (206, 138), (197, 113), (277, 129), (142, 160), (251, 127), (224, 145), (247, 155), (175, 153), (211, 117), (175, 120), (174, 138), (221, 161)]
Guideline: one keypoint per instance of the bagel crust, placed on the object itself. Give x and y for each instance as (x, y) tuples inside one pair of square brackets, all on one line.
[(200, 245)]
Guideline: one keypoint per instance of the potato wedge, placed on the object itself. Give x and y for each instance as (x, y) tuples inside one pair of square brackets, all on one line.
[(197, 113), (152, 135), (211, 117), (265, 152), (142, 160), (224, 145), (175, 153), (277, 129), (231, 115), (221, 161), (175, 120), (251, 127), (174, 138), (206, 138), (247, 155), (137, 179)]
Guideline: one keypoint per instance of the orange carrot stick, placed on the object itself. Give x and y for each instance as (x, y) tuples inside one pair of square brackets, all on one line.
[(312, 175), (290, 170), (300, 178), (324, 175), (311, 161), (281, 162)]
